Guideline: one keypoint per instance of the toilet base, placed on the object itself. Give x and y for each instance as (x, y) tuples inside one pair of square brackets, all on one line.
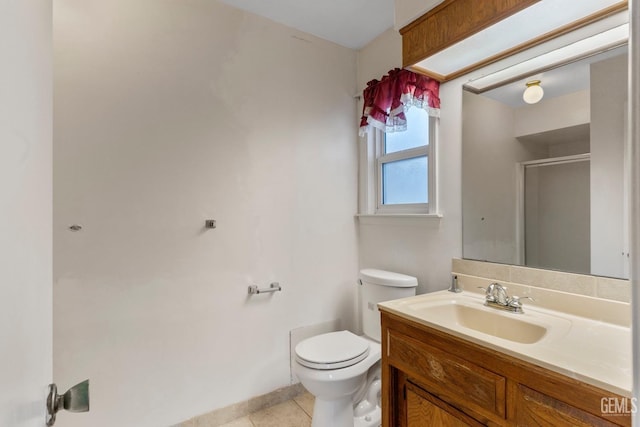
[(333, 413), (372, 419), (339, 413)]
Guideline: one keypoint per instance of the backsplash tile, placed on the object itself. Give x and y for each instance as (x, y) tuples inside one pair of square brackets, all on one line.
[(614, 289), (606, 310), (578, 284), (488, 270)]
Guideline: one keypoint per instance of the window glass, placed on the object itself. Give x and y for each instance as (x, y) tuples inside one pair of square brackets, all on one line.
[(416, 134), (405, 181)]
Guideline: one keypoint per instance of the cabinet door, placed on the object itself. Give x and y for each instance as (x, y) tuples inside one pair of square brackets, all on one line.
[(457, 381), (534, 409), (426, 410)]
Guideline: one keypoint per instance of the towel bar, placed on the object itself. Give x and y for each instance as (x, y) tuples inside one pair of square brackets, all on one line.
[(274, 287)]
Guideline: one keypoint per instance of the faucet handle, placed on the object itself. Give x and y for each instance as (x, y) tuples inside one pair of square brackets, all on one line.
[(515, 301)]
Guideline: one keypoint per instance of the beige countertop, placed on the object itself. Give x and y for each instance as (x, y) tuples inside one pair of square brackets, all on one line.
[(585, 348)]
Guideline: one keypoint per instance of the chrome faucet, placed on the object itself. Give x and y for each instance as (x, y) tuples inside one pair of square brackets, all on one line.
[(496, 296)]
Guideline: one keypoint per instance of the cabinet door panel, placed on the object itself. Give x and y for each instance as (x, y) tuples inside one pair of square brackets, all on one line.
[(535, 409), (425, 410), (454, 380)]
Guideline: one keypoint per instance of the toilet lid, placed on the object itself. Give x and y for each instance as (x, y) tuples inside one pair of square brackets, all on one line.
[(332, 351)]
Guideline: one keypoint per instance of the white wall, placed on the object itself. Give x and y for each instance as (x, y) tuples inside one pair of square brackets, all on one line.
[(489, 189), (419, 247), (168, 113), (25, 211), (608, 110), (560, 112), (406, 11)]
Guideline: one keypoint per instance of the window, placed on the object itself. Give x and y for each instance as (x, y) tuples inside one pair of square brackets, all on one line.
[(405, 167)]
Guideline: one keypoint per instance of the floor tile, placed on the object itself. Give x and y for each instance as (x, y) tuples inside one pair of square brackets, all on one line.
[(305, 401), (240, 422), (287, 414)]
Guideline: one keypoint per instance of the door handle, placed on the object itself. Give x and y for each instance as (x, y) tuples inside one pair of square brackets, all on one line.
[(76, 399)]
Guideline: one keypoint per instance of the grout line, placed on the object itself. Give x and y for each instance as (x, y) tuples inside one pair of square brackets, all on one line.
[(301, 408), (286, 401), (248, 416)]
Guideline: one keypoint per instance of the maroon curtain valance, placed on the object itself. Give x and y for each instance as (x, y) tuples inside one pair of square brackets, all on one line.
[(386, 100)]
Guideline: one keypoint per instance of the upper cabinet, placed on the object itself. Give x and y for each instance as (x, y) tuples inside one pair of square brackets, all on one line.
[(459, 36)]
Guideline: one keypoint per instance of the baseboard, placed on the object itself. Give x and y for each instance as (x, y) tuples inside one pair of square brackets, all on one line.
[(224, 415)]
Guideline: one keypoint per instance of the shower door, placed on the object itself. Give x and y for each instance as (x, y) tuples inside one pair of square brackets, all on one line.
[(557, 214)]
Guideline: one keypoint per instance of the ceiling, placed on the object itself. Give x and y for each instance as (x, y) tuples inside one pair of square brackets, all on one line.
[(559, 81), (350, 23)]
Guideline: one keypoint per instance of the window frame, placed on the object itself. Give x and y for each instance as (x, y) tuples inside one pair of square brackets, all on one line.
[(371, 200), (381, 160)]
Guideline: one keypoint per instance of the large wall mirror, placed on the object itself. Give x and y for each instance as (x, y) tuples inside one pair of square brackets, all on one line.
[(544, 184)]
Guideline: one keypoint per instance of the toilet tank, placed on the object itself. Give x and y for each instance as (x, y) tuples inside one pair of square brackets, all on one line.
[(377, 286)]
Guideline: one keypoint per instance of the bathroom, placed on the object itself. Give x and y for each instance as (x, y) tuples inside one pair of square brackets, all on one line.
[(164, 118)]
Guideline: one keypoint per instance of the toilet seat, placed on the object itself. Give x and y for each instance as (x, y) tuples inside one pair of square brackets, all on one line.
[(334, 350)]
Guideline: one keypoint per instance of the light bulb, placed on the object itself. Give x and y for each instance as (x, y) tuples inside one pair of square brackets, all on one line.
[(533, 93)]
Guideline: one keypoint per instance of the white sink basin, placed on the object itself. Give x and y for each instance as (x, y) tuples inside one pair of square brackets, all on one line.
[(508, 326), (466, 314)]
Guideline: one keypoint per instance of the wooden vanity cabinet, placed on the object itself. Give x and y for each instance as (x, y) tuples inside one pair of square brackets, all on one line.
[(425, 410), (430, 378)]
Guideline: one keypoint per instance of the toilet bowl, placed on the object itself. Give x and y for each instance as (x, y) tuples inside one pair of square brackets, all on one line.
[(336, 387), (342, 369)]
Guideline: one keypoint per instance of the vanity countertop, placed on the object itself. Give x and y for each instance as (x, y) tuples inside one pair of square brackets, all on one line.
[(588, 349)]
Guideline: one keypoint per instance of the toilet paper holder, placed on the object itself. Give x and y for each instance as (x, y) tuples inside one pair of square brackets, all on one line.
[(273, 287)]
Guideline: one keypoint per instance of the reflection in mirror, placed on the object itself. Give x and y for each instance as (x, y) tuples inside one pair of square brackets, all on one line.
[(543, 184)]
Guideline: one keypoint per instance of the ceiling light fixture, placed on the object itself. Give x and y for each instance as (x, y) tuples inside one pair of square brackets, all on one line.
[(533, 93), (538, 64), (544, 23)]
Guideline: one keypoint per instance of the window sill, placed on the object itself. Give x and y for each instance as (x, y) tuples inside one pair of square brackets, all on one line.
[(402, 219)]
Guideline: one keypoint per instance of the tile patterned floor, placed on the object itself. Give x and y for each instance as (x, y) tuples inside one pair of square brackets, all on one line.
[(292, 413)]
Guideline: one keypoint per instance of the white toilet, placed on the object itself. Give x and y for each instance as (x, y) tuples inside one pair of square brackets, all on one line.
[(341, 369)]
